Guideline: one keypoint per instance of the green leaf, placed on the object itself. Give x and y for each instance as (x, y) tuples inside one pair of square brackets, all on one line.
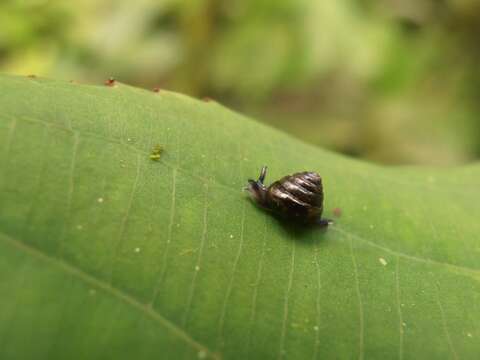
[(105, 253)]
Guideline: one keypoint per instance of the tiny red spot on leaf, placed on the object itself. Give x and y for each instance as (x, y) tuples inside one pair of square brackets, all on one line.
[(110, 82), (337, 212)]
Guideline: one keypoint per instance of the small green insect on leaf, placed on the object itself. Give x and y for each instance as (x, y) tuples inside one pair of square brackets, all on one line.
[(156, 152)]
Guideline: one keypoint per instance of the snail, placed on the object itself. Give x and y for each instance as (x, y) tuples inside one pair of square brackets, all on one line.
[(297, 198)]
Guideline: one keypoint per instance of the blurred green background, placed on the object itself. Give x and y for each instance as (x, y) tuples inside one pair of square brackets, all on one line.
[(392, 81)]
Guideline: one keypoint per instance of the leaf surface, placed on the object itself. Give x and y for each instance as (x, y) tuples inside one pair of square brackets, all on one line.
[(105, 253)]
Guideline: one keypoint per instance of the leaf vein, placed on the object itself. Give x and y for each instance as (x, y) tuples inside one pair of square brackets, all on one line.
[(71, 187), (123, 224), (169, 238), (360, 303), (221, 322), (445, 326), (258, 279), (399, 308), (317, 303), (10, 136), (199, 260), (281, 354)]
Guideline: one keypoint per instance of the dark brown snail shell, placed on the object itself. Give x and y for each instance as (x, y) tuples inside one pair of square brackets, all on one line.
[(297, 198)]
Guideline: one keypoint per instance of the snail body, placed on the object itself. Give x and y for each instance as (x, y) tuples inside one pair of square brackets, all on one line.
[(297, 198)]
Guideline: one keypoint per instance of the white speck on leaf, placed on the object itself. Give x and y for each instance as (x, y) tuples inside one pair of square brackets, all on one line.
[(383, 261), (100, 200), (231, 236), (404, 324), (469, 335), (137, 250), (315, 328), (197, 268)]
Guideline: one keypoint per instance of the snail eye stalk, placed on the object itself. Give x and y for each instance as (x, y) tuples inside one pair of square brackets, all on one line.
[(263, 174)]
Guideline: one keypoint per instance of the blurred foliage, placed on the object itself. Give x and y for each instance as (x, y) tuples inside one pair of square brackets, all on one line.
[(394, 81)]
